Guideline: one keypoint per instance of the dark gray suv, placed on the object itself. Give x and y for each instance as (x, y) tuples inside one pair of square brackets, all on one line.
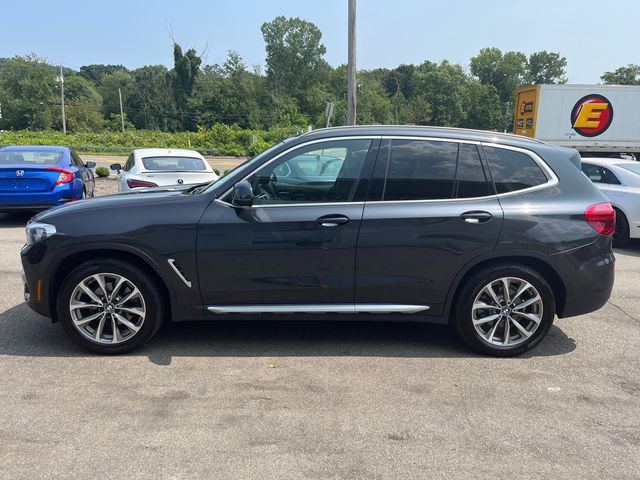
[(495, 234)]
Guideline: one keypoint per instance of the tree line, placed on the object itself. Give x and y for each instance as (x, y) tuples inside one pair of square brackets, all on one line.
[(293, 90)]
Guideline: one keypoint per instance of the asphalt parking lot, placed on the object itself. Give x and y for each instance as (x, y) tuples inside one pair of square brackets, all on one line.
[(326, 400)]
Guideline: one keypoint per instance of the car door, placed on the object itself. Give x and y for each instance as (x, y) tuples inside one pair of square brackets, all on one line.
[(122, 175), (295, 247), (431, 210), (85, 173)]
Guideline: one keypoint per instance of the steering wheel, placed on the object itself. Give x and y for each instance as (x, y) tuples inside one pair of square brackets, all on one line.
[(267, 189)]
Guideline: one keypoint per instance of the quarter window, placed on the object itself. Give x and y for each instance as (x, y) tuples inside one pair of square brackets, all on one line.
[(316, 173), (420, 170), (513, 171)]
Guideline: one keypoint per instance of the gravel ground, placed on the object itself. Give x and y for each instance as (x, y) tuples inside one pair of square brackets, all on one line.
[(105, 186)]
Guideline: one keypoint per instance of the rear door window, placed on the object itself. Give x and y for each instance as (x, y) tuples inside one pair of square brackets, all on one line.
[(513, 171), (420, 170)]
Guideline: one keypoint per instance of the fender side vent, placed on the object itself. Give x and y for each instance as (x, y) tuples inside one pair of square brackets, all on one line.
[(176, 269)]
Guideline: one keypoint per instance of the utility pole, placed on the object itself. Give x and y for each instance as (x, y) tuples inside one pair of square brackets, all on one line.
[(351, 67), (121, 110), (329, 113), (64, 118)]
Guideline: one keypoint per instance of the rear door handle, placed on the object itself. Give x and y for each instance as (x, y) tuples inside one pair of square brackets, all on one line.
[(476, 216), (332, 220)]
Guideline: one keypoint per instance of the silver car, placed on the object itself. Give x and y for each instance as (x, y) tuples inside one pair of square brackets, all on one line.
[(153, 167), (619, 180)]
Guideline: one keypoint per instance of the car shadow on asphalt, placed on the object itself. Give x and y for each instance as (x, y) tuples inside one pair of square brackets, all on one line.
[(632, 249), (24, 333), (13, 220)]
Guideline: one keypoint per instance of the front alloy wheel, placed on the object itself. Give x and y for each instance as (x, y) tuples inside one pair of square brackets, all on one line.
[(110, 306), (107, 308)]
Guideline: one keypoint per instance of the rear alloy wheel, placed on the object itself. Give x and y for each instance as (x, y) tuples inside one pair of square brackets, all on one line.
[(621, 235), (507, 311), (110, 306)]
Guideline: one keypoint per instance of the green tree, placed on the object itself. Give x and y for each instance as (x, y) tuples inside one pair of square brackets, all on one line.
[(186, 69), (96, 72), (629, 75), (294, 63), (83, 104), (484, 109), (108, 90), (151, 105), (506, 72), (417, 112), (546, 68), (29, 93), (444, 87)]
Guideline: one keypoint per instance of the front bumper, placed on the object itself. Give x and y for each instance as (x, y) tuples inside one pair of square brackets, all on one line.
[(33, 279)]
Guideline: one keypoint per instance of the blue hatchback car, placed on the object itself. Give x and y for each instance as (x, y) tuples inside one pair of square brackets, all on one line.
[(36, 177)]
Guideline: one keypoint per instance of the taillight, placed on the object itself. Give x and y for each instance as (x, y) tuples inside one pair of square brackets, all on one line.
[(65, 175), (602, 218), (140, 183)]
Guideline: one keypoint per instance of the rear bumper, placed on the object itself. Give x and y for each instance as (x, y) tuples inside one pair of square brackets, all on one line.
[(11, 202), (588, 274)]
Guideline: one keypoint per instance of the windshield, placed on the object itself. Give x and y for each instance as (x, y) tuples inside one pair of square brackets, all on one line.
[(246, 165), (632, 167), (173, 163), (33, 157)]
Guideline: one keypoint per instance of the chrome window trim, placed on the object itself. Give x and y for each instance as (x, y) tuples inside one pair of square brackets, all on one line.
[(324, 204), (552, 179), (318, 308), (430, 139)]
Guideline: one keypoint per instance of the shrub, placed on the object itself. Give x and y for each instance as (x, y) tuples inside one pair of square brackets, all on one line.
[(102, 172), (217, 140)]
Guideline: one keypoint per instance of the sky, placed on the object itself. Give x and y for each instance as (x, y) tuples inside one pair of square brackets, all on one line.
[(594, 36)]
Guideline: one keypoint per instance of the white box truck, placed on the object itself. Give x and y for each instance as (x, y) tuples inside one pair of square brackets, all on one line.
[(589, 118)]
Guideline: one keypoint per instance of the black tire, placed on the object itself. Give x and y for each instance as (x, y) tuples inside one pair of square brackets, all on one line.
[(155, 313), (463, 311), (621, 235)]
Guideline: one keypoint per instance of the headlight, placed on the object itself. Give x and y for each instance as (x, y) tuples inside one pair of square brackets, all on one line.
[(38, 232)]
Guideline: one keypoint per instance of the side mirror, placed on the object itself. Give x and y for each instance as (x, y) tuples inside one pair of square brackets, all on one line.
[(115, 166), (90, 164), (242, 195)]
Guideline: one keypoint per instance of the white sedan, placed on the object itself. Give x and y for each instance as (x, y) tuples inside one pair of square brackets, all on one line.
[(619, 180), (154, 167)]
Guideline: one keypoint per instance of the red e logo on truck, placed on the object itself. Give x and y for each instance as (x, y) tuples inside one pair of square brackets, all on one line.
[(592, 115)]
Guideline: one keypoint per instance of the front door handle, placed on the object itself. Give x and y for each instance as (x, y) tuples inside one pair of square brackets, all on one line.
[(476, 216), (332, 220)]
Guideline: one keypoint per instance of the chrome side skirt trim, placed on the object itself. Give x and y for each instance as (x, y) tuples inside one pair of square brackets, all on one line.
[(171, 262), (322, 308)]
